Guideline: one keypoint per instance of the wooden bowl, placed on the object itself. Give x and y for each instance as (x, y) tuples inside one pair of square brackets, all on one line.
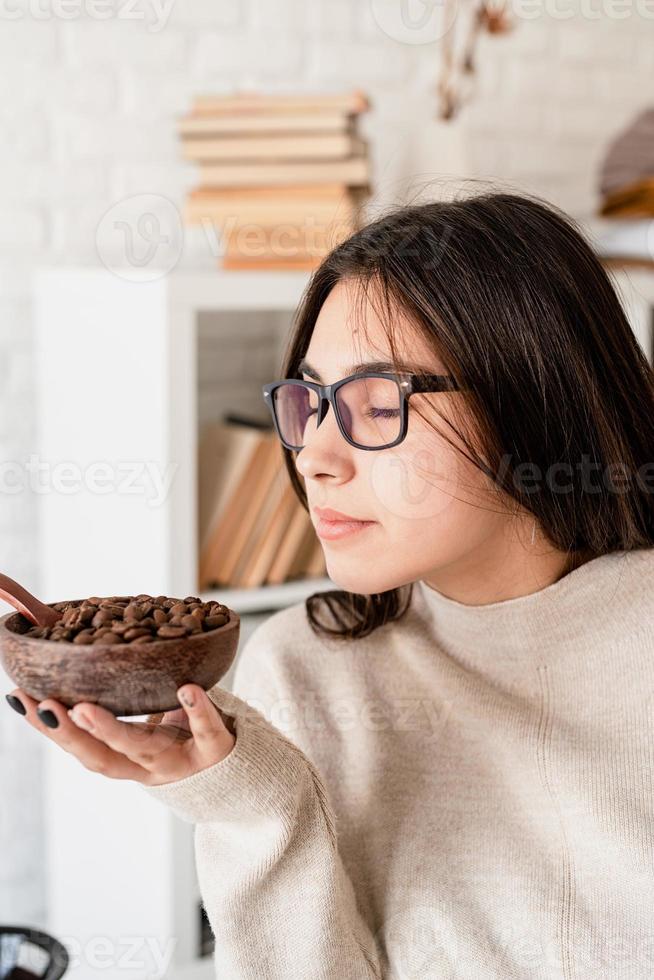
[(125, 678)]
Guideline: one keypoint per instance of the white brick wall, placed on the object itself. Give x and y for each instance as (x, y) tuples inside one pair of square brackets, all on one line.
[(87, 118)]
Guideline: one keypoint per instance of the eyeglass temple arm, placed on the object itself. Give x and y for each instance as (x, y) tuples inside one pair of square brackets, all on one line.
[(434, 382)]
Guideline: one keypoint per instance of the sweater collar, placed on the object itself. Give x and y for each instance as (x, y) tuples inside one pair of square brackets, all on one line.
[(591, 601)]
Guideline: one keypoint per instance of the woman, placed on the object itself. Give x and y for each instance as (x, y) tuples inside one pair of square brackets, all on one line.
[(443, 769)]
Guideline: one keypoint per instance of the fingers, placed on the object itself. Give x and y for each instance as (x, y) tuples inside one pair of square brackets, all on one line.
[(143, 743), (207, 726), (184, 741), (93, 754)]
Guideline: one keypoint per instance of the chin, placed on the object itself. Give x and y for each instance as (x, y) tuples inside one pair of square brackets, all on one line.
[(362, 582)]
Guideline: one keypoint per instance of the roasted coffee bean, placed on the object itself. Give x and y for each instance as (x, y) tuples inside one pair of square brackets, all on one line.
[(130, 619), (113, 608), (86, 614), (136, 632), (101, 617), (38, 632), (171, 632), (85, 637), (134, 611), (214, 621), (121, 626), (191, 623)]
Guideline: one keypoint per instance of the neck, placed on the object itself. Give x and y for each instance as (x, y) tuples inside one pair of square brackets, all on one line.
[(504, 570)]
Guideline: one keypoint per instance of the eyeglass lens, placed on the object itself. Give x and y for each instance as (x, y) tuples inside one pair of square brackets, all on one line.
[(370, 409)]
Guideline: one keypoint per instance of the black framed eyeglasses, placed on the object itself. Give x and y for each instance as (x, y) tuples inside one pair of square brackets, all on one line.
[(371, 409)]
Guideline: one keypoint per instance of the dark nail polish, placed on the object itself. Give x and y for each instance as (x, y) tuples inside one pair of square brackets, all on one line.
[(16, 704), (48, 717)]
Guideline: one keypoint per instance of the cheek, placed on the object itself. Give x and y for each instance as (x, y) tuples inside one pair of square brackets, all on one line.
[(419, 482)]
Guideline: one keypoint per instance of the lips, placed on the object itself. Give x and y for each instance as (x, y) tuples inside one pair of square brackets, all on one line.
[(327, 514)]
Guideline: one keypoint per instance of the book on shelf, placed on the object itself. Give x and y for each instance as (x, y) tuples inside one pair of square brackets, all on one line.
[(265, 502), (225, 450), (293, 550), (340, 205), (274, 162), (308, 542), (250, 495), (240, 263), (257, 102), (214, 123), (253, 528), (242, 478), (326, 191), (284, 246), (294, 147), (275, 525), (354, 172)]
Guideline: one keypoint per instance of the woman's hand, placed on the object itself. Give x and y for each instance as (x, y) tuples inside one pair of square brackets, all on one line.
[(165, 748)]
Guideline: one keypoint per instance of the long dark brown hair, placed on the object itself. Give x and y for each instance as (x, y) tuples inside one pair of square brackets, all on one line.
[(510, 295)]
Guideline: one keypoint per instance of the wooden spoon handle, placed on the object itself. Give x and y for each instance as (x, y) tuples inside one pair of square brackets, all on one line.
[(37, 612)]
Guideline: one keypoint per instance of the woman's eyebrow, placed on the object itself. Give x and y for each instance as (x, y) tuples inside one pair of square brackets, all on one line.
[(305, 368)]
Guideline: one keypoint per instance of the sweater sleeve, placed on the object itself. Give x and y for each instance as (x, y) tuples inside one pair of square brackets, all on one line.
[(277, 896)]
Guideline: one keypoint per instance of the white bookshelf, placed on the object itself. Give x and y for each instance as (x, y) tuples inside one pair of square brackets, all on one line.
[(117, 382)]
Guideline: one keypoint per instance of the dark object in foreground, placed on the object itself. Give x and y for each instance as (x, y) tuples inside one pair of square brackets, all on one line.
[(30, 954)]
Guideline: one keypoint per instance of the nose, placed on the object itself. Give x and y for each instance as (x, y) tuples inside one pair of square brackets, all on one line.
[(325, 451)]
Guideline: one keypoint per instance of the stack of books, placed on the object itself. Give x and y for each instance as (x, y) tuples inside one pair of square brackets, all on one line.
[(282, 178), (253, 530)]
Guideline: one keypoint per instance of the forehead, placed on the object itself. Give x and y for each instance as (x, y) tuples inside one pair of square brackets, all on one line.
[(351, 329)]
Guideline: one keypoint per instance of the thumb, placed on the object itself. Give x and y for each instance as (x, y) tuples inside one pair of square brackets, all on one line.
[(205, 720)]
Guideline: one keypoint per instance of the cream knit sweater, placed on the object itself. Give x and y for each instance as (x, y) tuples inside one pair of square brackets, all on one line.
[(466, 793)]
